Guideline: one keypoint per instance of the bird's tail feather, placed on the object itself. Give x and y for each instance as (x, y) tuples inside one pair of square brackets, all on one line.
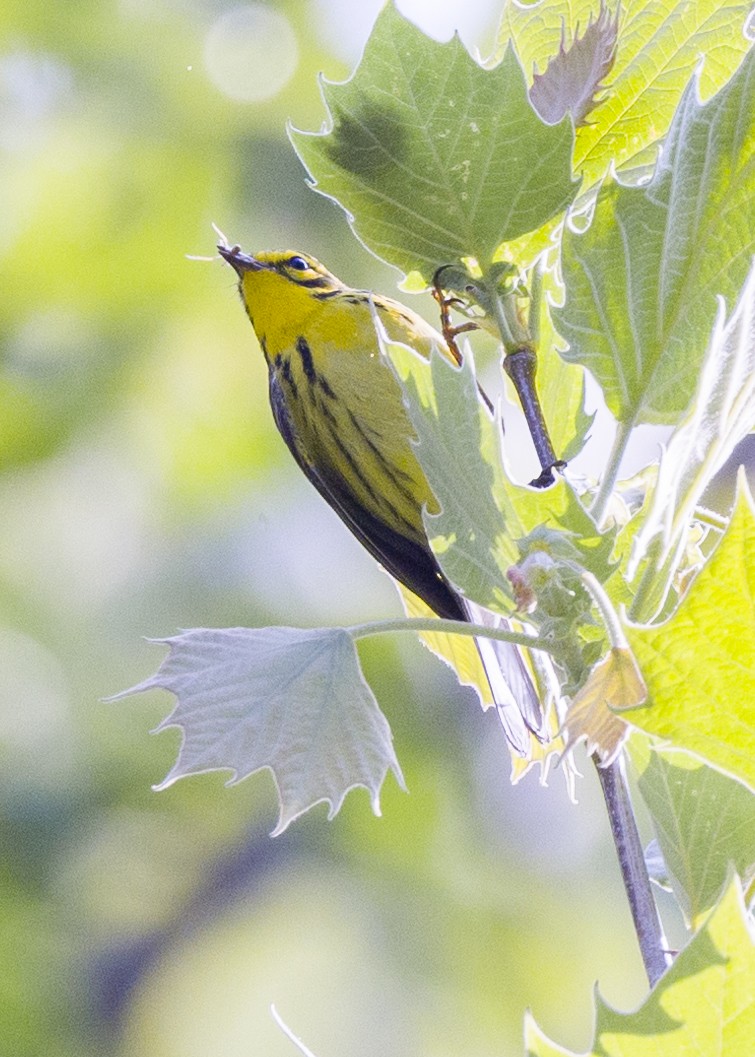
[(511, 684)]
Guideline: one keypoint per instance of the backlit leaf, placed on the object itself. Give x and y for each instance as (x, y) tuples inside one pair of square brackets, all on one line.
[(704, 820), (699, 666), (483, 514), (433, 157), (660, 43), (575, 75), (288, 699), (701, 1006), (613, 684), (721, 414), (643, 279)]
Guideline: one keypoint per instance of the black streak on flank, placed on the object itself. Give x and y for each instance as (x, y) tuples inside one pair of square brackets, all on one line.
[(306, 360), (325, 410), (356, 469), (288, 378), (326, 388), (395, 475)]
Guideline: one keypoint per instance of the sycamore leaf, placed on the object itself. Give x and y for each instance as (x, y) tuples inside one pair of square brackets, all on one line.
[(699, 665), (433, 157), (705, 823), (574, 76), (483, 515), (702, 1005), (642, 281), (472, 539), (289, 699), (659, 45), (720, 415), (614, 683)]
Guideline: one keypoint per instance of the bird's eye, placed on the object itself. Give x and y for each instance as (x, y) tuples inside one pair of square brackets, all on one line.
[(298, 263)]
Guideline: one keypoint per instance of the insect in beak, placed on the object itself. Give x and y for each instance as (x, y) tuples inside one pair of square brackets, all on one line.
[(240, 262)]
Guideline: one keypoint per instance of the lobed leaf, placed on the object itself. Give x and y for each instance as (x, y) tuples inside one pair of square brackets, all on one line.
[(574, 76), (642, 281), (433, 157), (614, 683), (659, 46), (704, 820), (483, 515), (699, 666), (720, 415), (701, 1005), (289, 699)]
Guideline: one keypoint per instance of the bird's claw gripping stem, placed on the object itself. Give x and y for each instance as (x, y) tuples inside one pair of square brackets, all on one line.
[(449, 330)]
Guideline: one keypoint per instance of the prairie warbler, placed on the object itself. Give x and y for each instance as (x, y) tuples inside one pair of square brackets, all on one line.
[(339, 408)]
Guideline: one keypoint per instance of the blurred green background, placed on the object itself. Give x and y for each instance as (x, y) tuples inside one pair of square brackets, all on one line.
[(143, 488)]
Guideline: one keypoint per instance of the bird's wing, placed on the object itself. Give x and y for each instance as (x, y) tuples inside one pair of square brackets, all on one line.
[(406, 559)]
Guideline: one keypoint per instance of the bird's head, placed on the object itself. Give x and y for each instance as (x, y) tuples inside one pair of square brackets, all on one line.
[(277, 267), (279, 284)]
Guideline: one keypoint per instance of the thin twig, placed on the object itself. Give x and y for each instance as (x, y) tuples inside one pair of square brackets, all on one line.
[(455, 627), (647, 923), (611, 473)]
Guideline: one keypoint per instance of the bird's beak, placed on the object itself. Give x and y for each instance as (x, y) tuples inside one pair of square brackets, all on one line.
[(240, 262)]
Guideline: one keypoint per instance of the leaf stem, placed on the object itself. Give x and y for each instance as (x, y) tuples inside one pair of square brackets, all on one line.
[(536, 297), (607, 484), (647, 923), (520, 364), (653, 586), (506, 322), (454, 627), (610, 617), (711, 519)]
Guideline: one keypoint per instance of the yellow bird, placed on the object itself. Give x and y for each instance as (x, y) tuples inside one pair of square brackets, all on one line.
[(339, 408)]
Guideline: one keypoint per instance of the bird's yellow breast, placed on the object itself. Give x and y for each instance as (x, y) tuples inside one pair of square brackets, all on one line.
[(343, 402)]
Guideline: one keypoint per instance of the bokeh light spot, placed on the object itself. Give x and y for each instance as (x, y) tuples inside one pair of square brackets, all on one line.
[(251, 53)]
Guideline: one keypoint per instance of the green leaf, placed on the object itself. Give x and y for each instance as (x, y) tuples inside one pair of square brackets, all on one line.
[(642, 281), (483, 516), (289, 699), (659, 45), (473, 538), (700, 665), (433, 157), (613, 684), (705, 823), (720, 415), (701, 1006)]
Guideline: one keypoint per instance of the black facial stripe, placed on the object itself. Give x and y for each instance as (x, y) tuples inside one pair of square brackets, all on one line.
[(312, 284)]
